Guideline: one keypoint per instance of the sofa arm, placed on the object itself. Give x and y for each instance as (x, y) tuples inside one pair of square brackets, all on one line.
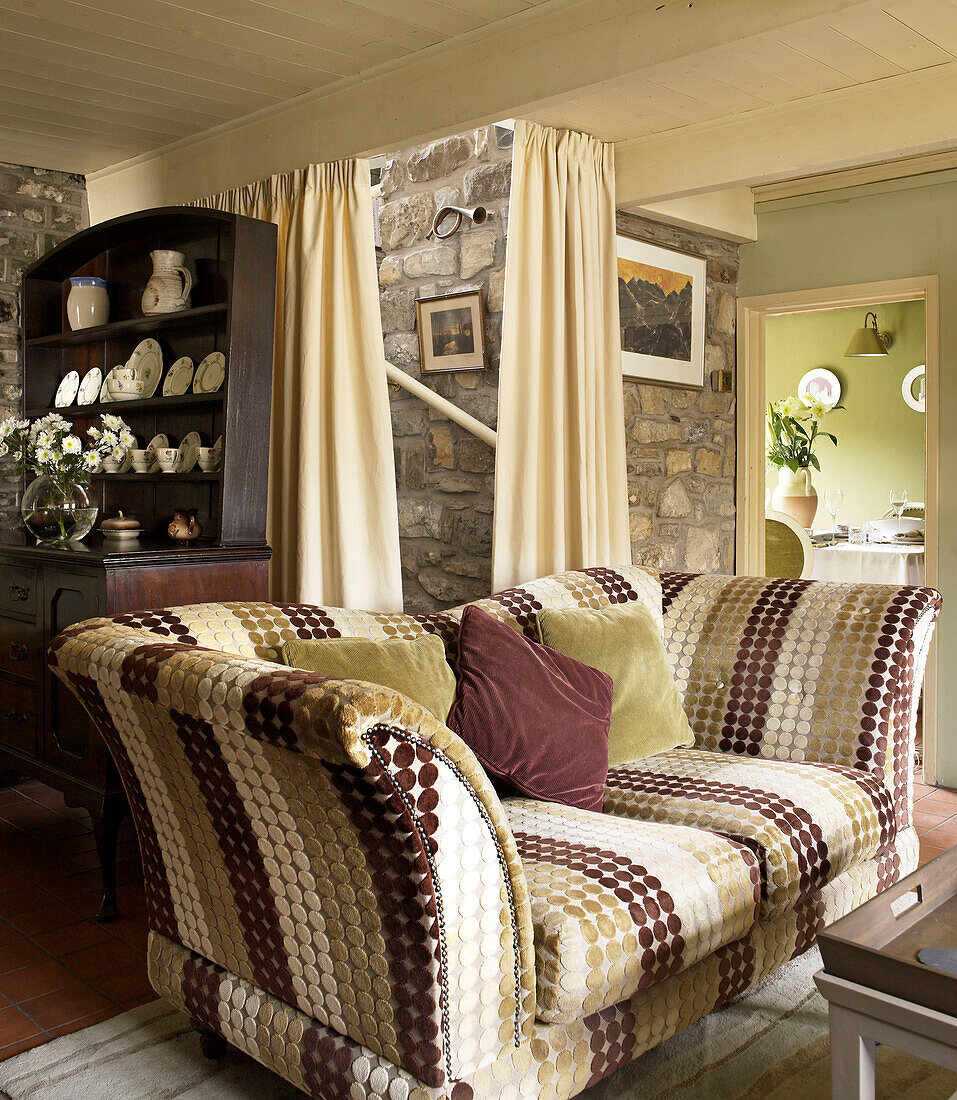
[(329, 841), (802, 670)]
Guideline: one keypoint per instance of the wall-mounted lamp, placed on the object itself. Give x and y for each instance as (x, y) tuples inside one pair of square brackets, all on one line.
[(868, 340), (477, 215)]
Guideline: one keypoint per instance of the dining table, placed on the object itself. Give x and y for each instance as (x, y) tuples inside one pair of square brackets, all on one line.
[(877, 562)]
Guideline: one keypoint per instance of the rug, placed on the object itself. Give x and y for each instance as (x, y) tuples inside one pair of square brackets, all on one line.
[(770, 1044)]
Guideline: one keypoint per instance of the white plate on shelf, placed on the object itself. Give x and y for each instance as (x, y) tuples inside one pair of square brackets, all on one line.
[(218, 447), (66, 391), (89, 389), (147, 361), (110, 375), (157, 443), (210, 374), (188, 452), (178, 378)]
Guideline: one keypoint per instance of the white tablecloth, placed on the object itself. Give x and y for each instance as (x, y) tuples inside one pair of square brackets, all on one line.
[(877, 562)]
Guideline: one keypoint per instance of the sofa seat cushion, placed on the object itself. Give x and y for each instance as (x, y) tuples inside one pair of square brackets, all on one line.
[(807, 822), (620, 905)]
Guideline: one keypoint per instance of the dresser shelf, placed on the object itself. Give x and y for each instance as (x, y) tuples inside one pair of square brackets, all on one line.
[(135, 325), (183, 401)]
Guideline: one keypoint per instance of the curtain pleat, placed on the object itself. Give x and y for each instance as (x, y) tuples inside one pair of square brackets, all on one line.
[(332, 517), (561, 495)]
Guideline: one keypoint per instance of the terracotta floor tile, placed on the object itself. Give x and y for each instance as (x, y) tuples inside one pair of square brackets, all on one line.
[(83, 841), (34, 981), (47, 918), (15, 1027), (73, 1002), (84, 1022), (127, 988), (16, 954), (8, 934), (924, 820), (63, 941), (23, 899), (24, 1045), (942, 836), (102, 958), (26, 815)]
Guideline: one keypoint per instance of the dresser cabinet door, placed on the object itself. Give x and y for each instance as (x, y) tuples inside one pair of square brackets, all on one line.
[(68, 738)]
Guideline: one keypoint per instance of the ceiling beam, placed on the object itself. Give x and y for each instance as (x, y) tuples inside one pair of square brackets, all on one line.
[(898, 117), (534, 58)]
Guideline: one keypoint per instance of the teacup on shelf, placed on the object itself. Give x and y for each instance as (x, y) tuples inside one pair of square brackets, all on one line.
[(109, 465), (208, 459), (166, 457), (141, 460)]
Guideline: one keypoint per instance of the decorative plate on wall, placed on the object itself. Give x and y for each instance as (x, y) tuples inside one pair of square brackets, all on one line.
[(914, 375), (821, 383)]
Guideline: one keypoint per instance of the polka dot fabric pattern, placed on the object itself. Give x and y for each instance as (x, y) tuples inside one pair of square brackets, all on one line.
[(618, 905), (556, 1060), (806, 822), (803, 671)]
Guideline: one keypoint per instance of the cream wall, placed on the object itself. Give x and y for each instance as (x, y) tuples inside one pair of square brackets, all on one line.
[(880, 438), (885, 232)]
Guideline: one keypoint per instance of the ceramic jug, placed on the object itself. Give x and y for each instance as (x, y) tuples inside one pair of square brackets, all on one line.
[(170, 284), (184, 526), (795, 495)]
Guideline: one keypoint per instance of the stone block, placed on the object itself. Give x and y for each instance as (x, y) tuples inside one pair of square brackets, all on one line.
[(475, 457), (420, 518), (393, 176), (654, 431), (477, 252), (702, 550), (402, 348), (708, 462), (488, 183), (674, 502), (678, 461), (441, 158), (447, 196), (480, 143), (456, 485), (655, 554), (439, 260), (496, 291), (390, 271), (37, 189), (406, 221), (19, 245), (414, 466), (450, 590), (441, 449), (719, 500), (468, 567), (653, 399), (714, 358), (683, 399), (724, 316), (640, 526), (472, 532), (409, 419), (397, 309), (8, 309)]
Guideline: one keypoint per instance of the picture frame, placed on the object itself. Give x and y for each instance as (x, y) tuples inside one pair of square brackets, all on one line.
[(662, 299), (451, 330)]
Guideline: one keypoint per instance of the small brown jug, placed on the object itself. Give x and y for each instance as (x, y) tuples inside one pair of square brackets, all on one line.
[(184, 526)]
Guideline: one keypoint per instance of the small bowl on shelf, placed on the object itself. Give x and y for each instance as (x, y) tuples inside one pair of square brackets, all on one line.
[(125, 389), (208, 459), (141, 460), (167, 458)]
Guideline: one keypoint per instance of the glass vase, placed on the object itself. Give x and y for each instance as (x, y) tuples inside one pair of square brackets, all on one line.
[(57, 513)]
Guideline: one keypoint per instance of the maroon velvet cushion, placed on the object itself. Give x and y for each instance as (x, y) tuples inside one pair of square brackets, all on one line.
[(535, 718)]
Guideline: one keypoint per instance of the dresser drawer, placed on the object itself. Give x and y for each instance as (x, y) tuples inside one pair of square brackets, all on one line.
[(21, 649), (18, 589), (18, 716)]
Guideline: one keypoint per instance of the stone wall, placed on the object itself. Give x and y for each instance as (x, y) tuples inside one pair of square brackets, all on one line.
[(38, 209), (445, 475), (681, 442)]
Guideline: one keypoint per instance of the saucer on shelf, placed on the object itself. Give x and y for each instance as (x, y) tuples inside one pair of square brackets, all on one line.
[(178, 377), (147, 362), (188, 452), (210, 374), (90, 387), (66, 391)]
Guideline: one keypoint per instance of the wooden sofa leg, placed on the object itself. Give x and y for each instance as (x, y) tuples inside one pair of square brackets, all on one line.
[(213, 1045)]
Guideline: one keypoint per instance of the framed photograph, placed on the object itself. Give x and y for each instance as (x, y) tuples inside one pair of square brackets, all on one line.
[(451, 332), (662, 296)]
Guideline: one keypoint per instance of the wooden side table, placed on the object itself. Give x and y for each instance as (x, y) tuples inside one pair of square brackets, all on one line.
[(877, 989)]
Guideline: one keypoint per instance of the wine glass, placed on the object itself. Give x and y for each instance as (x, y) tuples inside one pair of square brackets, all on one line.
[(833, 499), (898, 498)]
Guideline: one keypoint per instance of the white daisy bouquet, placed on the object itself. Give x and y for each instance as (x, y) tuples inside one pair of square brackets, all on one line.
[(49, 447), (793, 429)]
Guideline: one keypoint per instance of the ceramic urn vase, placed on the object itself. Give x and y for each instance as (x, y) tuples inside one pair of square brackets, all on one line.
[(795, 496), (168, 290)]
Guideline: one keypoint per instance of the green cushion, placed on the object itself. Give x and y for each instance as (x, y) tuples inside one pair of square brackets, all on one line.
[(646, 712), (415, 667)]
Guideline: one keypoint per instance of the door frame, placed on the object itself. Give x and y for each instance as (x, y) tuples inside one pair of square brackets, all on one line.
[(750, 466)]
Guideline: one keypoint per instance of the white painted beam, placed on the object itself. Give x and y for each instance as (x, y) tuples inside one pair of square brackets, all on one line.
[(728, 214), (543, 55), (902, 116)]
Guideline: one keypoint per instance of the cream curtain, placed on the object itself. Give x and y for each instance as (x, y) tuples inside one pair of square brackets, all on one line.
[(561, 497), (332, 522)]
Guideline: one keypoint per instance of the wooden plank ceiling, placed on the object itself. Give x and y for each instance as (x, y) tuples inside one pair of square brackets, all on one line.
[(865, 43), (87, 84)]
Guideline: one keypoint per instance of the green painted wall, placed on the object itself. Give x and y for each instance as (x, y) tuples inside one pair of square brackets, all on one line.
[(858, 236), (880, 439)]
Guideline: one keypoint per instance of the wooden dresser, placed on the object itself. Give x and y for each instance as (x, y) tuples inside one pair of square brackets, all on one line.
[(43, 589)]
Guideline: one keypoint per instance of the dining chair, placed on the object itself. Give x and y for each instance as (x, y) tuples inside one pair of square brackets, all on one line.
[(914, 509), (787, 548)]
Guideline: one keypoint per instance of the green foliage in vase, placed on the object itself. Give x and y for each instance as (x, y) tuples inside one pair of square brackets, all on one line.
[(793, 429)]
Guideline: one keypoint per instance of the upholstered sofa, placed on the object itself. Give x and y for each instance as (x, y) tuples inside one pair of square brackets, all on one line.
[(335, 888)]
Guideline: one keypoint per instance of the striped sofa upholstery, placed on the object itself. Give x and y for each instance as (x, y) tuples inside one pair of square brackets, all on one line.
[(335, 887)]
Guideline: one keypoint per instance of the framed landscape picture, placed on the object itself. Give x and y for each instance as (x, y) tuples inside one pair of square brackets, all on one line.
[(451, 332), (661, 303)]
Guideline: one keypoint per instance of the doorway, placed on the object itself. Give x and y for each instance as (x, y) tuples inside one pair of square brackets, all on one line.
[(753, 316)]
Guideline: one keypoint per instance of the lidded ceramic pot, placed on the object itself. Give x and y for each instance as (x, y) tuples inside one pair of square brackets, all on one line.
[(88, 302)]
